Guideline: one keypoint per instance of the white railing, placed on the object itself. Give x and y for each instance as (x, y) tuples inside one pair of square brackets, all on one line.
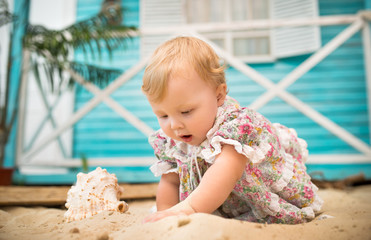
[(357, 22)]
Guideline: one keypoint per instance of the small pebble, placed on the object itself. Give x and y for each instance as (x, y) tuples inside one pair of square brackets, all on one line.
[(75, 230), (104, 236), (183, 221), (259, 226)]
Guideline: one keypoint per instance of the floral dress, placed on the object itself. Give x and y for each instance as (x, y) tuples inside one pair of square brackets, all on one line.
[(274, 188)]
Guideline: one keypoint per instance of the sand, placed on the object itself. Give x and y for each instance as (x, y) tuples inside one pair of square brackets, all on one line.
[(350, 209)]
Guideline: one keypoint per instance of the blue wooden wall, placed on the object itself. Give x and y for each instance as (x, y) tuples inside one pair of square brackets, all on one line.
[(336, 88), (103, 133)]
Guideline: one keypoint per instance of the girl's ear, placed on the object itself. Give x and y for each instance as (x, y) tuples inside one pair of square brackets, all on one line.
[(221, 93)]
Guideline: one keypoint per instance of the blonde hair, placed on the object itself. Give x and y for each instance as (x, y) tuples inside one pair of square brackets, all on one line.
[(172, 56)]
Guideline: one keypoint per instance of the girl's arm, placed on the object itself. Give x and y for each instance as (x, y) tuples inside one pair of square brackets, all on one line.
[(218, 181), (216, 185), (168, 191)]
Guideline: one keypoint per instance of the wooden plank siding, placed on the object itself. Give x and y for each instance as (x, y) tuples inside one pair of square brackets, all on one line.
[(102, 132), (336, 88)]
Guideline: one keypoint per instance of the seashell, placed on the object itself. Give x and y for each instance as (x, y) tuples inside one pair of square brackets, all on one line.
[(93, 193)]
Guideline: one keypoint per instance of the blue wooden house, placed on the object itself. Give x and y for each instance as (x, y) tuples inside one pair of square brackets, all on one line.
[(303, 63)]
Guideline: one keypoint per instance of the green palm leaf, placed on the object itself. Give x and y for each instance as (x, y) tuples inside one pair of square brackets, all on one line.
[(93, 36)]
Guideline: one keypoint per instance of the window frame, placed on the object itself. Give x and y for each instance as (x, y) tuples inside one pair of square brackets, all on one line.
[(160, 19), (228, 37)]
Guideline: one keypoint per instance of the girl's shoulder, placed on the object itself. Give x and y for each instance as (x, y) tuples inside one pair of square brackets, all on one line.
[(249, 132), (231, 113)]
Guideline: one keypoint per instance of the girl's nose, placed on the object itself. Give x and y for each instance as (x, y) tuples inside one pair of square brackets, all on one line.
[(176, 124)]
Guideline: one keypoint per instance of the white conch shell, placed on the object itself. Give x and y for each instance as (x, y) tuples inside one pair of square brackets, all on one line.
[(93, 193)]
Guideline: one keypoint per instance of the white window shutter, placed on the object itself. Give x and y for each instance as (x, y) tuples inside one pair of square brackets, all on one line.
[(158, 13), (292, 41)]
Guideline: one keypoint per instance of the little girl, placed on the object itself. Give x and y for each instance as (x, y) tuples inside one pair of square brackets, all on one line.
[(215, 156)]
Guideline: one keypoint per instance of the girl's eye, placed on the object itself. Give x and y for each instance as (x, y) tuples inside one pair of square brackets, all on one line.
[(187, 112), (164, 116)]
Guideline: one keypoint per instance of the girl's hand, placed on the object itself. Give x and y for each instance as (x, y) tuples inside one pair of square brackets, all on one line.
[(180, 209), (163, 214)]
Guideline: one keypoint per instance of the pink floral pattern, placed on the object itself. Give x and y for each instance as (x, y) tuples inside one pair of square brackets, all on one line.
[(274, 188)]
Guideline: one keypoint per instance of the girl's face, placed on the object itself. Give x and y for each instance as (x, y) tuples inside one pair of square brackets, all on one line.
[(188, 110)]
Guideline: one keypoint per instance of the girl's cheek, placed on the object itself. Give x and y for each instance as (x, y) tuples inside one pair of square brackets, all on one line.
[(164, 124)]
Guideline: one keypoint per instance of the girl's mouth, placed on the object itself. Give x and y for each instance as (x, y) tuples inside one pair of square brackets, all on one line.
[(186, 138)]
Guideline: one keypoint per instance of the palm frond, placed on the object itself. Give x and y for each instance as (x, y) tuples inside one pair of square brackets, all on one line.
[(94, 36), (98, 75), (43, 71), (88, 33)]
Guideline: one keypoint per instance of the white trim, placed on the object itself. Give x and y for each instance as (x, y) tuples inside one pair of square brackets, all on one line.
[(326, 123), (250, 25), (86, 108), (4, 53), (41, 170), (76, 162), (123, 112), (22, 106), (338, 159), (56, 14), (48, 116), (255, 59)]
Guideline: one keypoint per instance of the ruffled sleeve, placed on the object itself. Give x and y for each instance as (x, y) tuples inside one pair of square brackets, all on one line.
[(249, 132), (163, 147)]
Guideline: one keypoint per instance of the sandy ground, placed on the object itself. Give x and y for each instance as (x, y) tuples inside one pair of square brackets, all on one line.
[(350, 208)]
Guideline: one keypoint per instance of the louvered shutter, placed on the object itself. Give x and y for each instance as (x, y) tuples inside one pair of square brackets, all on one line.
[(159, 13), (292, 41)]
